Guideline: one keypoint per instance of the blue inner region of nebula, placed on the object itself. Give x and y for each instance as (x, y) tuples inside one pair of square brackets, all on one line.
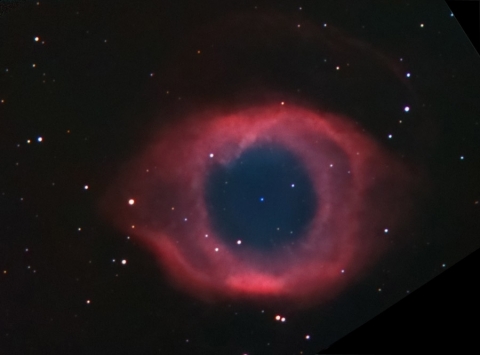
[(264, 199)]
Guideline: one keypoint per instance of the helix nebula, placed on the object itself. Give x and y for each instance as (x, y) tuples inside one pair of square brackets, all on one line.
[(284, 198), (360, 188)]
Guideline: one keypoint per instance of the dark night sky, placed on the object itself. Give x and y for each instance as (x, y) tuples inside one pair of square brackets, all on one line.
[(86, 85)]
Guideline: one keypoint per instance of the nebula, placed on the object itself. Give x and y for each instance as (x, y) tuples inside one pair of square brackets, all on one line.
[(362, 189), (315, 97)]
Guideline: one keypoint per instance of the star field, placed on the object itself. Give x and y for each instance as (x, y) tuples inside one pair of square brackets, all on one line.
[(86, 88)]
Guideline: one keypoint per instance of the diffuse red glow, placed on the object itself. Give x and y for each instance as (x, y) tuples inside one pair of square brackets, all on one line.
[(363, 190)]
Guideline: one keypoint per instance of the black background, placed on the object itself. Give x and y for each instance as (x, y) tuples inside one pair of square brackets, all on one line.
[(102, 93)]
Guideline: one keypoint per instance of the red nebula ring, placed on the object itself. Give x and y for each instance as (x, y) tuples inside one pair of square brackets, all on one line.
[(363, 190)]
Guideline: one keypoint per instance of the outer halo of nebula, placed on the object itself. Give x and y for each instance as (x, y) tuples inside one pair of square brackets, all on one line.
[(324, 97)]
